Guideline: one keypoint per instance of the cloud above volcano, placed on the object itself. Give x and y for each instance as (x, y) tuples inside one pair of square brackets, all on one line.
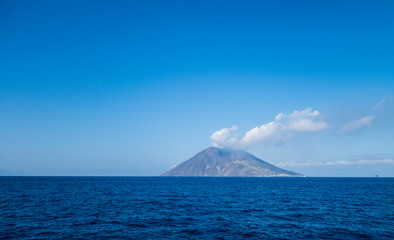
[(279, 131)]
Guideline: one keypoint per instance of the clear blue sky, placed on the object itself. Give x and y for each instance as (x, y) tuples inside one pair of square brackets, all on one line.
[(135, 87)]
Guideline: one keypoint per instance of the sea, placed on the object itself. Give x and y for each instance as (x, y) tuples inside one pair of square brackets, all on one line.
[(196, 208)]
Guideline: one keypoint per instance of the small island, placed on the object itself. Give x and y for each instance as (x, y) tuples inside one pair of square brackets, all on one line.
[(227, 162)]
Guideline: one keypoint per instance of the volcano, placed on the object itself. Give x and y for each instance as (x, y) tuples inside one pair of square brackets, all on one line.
[(227, 162)]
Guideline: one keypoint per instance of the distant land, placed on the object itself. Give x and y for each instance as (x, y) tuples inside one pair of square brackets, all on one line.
[(11, 173), (228, 162)]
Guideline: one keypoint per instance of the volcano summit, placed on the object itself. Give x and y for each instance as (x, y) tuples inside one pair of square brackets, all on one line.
[(228, 162)]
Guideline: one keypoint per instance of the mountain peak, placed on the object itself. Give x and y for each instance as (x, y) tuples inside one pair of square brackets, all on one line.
[(215, 161)]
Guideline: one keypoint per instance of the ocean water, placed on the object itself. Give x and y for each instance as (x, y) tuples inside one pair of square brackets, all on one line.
[(196, 208)]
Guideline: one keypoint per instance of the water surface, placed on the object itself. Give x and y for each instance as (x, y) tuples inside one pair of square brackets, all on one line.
[(196, 208)]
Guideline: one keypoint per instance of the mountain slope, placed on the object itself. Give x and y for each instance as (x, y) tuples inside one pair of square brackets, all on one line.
[(227, 162)]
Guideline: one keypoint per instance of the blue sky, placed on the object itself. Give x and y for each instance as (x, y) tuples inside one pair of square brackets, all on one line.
[(135, 87)]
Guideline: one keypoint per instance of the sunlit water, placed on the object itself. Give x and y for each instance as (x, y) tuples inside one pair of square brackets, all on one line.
[(196, 208)]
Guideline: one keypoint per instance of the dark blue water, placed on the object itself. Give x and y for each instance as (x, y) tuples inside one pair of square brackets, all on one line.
[(196, 208)]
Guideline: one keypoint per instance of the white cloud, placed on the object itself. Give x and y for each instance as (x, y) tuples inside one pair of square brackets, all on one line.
[(338, 163), (302, 121), (276, 132), (223, 136), (379, 104), (257, 134), (355, 125)]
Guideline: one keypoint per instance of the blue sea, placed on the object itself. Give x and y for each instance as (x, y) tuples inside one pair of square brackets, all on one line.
[(196, 208)]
